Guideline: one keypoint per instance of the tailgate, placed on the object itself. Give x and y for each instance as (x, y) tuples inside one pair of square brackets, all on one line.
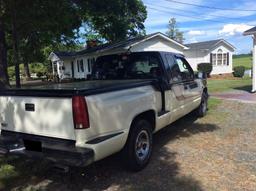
[(51, 117)]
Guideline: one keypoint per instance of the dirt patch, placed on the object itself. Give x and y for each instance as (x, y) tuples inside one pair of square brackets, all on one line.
[(223, 77), (213, 153)]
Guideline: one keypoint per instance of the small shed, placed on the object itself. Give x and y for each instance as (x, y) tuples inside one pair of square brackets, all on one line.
[(252, 32)]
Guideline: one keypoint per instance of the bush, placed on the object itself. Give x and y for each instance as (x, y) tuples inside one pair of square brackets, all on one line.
[(205, 68), (239, 71), (39, 74)]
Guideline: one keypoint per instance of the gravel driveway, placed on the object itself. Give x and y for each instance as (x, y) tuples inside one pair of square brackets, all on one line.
[(217, 152)]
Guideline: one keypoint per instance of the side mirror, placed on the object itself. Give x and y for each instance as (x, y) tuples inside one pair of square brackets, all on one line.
[(201, 75)]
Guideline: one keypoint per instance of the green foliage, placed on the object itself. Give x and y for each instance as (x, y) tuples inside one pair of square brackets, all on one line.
[(34, 68), (115, 20), (173, 31), (44, 26), (239, 71), (205, 67)]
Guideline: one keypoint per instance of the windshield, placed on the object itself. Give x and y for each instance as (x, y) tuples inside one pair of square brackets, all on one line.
[(127, 66)]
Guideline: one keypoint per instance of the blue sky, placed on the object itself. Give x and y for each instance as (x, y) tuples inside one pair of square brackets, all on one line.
[(201, 24)]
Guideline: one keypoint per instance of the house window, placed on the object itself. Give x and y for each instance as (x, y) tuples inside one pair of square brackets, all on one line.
[(82, 65), (90, 62), (214, 59), (219, 57), (77, 64), (225, 56)]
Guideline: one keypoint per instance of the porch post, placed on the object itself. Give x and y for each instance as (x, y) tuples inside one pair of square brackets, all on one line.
[(254, 65)]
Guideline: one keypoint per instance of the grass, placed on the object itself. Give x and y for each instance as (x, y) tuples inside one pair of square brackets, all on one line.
[(223, 85), (243, 60), (213, 103)]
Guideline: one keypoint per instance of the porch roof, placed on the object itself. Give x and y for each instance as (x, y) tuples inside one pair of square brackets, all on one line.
[(251, 31)]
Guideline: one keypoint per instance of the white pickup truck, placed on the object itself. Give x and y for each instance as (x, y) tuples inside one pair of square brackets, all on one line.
[(129, 97)]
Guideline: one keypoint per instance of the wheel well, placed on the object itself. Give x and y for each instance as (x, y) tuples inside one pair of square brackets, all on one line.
[(147, 115)]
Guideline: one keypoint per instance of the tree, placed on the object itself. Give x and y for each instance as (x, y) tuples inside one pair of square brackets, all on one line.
[(30, 26), (4, 80), (34, 24), (173, 31), (115, 20)]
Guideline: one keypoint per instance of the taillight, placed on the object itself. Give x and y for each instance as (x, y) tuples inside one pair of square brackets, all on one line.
[(80, 113)]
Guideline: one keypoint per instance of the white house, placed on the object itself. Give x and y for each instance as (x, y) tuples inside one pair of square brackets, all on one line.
[(217, 52), (78, 64)]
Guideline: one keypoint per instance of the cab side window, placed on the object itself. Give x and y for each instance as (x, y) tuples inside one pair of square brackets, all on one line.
[(186, 72)]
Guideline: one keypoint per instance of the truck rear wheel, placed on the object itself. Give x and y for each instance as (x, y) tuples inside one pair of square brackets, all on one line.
[(138, 149)]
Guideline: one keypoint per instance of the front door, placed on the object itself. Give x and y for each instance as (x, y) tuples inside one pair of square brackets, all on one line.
[(175, 94), (191, 89)]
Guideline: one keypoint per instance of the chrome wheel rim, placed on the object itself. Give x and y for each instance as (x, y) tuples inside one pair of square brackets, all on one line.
[(142, 145)]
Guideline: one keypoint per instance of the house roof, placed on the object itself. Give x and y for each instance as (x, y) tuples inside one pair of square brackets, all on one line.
[(125, 44), (207, 45), (63, 54), (250, 31)]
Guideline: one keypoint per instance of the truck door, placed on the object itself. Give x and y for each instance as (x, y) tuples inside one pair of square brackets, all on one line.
[(191, 89), (175, 94)]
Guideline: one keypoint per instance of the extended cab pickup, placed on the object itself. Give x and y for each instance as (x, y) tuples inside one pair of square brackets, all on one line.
[(129, 97)]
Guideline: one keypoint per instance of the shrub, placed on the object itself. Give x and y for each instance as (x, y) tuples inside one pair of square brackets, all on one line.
[(205, 68), (239, 71), (39, 74)]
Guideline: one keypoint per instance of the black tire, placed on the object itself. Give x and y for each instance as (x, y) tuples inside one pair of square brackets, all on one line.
[(134, 159), (203, 107)]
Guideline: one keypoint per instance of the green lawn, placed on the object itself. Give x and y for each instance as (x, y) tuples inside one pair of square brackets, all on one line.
[(227, 85), (243, 60)]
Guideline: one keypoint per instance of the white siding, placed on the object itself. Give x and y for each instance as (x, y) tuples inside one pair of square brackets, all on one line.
[(196, 57), (67, 72), (80, 74), (157, 44)]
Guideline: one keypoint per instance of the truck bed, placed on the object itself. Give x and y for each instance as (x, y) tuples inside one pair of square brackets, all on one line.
[(84, 88)]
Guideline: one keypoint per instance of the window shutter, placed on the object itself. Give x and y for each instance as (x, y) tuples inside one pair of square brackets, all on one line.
[(211, 58), (228, 58)]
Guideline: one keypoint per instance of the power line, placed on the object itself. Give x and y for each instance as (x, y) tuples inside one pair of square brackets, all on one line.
[(188, 16), (210, 7), (197, 13)]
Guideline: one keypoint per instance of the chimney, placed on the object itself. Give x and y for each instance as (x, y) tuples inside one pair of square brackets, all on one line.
[(91, 43)]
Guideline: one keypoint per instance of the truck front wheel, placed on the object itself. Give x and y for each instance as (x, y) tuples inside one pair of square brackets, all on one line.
[(202, 109), (138, 149)]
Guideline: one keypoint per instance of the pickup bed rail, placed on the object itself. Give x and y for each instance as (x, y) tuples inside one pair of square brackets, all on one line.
[(66, 90)]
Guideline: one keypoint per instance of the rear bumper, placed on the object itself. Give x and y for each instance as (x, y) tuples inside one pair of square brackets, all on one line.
[(54, 149)]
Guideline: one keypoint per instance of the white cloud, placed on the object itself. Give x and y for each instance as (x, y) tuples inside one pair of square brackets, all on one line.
[(233, 29), (196, 33), (192, 40)]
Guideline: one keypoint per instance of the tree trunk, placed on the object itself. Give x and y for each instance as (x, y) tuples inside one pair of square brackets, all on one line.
[(4, 79), (15, 45), (26, 70)]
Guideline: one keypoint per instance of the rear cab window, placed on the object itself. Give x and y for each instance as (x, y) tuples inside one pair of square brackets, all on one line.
[(127, 66)]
